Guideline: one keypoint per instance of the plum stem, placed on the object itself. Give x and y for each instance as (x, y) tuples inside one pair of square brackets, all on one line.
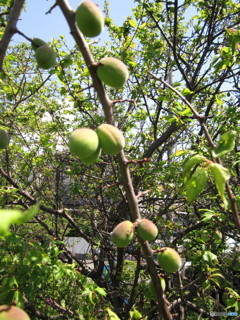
[(135, 224)]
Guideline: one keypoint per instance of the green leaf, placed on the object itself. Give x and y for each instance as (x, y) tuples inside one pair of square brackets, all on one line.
[(220, 176), (9, 217), (196, 183), (238, 201), (205, 285), (189, 164), (90, 297), (101, 291), (218, 275), (225, 144), (28, 214), (133, 23), (112, 315), (186, 92), (208, 256), (216, 281), (208, 215), (215, 278), (135, 314), (179, 153)]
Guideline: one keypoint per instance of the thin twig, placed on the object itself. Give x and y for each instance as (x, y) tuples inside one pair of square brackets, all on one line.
[(197, 115)]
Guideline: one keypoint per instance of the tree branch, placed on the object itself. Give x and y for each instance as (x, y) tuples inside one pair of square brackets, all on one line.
[(10, 29), (32, 200), (189, 305), (170, 130), (125, 173), (87, 55), (211, 144)]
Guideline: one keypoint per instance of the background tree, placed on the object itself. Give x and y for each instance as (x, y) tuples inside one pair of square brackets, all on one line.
[(181, 97)]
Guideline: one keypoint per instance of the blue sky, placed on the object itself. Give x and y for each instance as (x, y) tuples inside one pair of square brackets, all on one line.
[(35, 23)]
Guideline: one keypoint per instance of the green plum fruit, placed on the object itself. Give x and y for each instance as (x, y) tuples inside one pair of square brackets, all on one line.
[(152, 288), (110, 138), (84, 144), (4, 139), (122, 234), (12, 313), (45, 57), (169, 260), (36, 43), (147, 230), (91, 159), (113, 72), (89, 19)]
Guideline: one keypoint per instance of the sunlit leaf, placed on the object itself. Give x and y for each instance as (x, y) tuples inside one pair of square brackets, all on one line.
[(216, 281), (205, 285), (90, 297), (133, 23), (29, 214), (214, 275), (225, 144), (220, 176), (135, 315), (187, 91), (112, 315), (179, 153), (208, 215), (9, 217), (208, 256), (101, 291), (190, 163), (196, 183)]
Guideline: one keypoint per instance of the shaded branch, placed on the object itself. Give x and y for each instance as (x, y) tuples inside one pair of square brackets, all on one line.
[(181, 234), (190, 306), (164, 137), (33, 200)]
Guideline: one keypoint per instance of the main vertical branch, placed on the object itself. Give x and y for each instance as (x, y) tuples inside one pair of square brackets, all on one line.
[(107, 105)]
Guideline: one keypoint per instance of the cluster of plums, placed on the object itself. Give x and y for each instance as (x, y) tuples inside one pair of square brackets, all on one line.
[(90, 21), (168, 258), (8, 312), (87, 144)]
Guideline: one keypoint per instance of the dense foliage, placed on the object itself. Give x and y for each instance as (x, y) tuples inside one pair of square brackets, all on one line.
[(179, 114)]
